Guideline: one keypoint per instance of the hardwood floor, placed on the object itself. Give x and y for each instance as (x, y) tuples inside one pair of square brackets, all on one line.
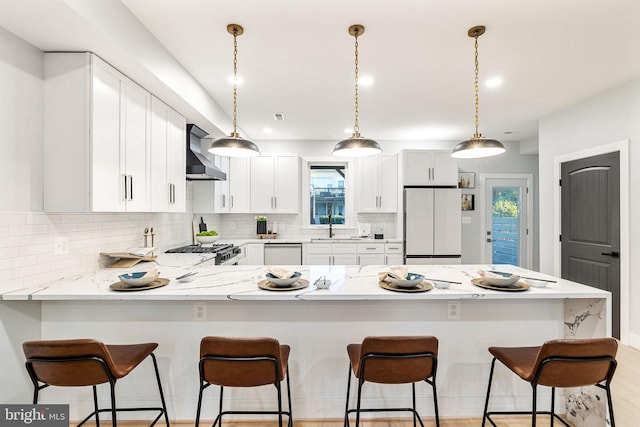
[(625, 390)]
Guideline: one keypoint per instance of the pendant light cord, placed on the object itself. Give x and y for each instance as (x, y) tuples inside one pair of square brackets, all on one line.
[(356, 126), (235, 81), (477, 121)]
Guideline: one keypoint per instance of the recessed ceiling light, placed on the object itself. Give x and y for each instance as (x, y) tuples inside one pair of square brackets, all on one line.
[(494, 82), (267, 130), (278, 116), (508, 132), (365, 81), (237, 80)]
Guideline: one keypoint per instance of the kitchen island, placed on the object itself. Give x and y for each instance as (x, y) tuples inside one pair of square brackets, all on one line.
[(316, 323)]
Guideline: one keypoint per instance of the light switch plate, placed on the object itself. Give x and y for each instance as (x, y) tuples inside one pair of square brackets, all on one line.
[(466, 220)]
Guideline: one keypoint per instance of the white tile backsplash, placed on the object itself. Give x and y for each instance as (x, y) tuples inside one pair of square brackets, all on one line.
[(26, 241)]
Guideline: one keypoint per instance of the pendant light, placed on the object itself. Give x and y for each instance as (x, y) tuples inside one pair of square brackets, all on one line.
[(477, 146), (234, 145), (356, 145)]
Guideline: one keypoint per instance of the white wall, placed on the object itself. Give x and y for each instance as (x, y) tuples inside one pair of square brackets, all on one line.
[(21, 123), (511, 162), (603, 119)]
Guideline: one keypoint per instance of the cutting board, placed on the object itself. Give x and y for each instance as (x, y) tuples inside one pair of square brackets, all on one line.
[(126, 259)]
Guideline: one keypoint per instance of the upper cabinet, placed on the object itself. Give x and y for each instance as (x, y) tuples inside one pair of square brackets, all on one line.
[(230, 196), (96, 137), (275, 183), (378, 189), (168, 139), (427, 167)]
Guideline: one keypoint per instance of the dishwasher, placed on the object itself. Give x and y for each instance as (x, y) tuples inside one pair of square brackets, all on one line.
[(283, 253)]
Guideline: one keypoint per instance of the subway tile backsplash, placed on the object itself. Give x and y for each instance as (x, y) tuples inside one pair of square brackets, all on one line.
[(27, 242)]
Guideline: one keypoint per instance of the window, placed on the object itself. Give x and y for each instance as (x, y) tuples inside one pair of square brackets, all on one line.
[(328, 194)]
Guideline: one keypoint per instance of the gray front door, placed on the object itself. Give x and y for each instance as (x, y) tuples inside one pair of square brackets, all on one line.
[(590, 212)]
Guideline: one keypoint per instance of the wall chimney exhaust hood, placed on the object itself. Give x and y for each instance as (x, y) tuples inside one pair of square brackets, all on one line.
[(199, 167)]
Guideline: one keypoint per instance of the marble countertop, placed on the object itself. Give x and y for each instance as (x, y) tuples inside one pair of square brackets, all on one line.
[(306, 240), (241, 283)]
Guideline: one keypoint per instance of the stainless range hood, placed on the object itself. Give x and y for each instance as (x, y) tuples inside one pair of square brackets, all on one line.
[(199, 167)]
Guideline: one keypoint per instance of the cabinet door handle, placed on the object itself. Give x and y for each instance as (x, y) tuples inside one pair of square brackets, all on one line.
[(224, 200), (173, 193), (170, 194), (275, 202), (125, 187), (130, 187), (231, 197), (358, 263)]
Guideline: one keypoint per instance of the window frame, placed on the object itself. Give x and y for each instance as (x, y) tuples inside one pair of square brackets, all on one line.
[(349, 176)]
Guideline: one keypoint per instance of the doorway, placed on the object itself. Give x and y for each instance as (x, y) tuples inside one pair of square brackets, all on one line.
[(507, 223), (590, 225)]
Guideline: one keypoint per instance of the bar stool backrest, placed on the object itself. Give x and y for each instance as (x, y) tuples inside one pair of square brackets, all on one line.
[(69, 362), (241, 362), (575, 363), (397, 359)]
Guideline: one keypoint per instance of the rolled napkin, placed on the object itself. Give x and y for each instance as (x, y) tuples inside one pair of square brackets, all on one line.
[(395, 271), (280, 273), (495, 276)]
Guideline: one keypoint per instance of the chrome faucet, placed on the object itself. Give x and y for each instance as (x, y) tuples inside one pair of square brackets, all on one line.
[(330, 209)]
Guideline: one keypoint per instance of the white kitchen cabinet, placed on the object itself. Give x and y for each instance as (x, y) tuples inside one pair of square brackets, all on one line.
[(230, 196), (429, 167), (96, 137), (274, 184), (371, 253), (378, 189), (168, 139), (393, 253)]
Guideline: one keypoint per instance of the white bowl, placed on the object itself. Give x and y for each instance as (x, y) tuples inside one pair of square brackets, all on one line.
[(506, 279), (536, 283), (441, 285), (139, 278), (204, 240), (411, 281), (276, 281)]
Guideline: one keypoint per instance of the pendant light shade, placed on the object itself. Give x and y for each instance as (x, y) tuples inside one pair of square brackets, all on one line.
[(477, 146), (234, 145), (356, 145)]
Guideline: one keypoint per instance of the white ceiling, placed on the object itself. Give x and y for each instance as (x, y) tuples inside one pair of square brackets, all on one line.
[(296, 58)]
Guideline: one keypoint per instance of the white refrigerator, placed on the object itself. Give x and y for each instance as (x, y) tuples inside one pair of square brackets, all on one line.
[(432, 226)]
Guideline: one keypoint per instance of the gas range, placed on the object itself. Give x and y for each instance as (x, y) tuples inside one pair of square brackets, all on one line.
[(226, 254)]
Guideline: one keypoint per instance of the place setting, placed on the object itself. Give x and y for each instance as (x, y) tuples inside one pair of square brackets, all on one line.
[(139, 281), (399, 279), (500, 281), (281, 279)]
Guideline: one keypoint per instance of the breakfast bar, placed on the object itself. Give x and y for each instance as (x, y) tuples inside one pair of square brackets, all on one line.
[(317, 324)]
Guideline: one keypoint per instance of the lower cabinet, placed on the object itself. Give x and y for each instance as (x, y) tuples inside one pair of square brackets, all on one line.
[(371, 253), (253, 254)]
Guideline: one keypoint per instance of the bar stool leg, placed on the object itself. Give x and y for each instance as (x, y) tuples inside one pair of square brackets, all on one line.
[(290, 424), (95, 405), (413, 397), (533, 409), (164, 405), (346, 409), (486, 402), (114, 421), (279, 404), (360, 382), (435, 401), (610, 404), (553, 404), (203, 385)]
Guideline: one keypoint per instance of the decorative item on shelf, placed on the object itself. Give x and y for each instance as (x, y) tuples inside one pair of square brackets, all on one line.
[(477, 146), (234, 145), (268, 236), (356, 145), (466, 180), (261, 225)]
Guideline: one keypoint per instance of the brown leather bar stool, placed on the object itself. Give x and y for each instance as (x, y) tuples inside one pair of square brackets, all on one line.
[(393, 360), (87, 362), (243, 362), (558, 363)]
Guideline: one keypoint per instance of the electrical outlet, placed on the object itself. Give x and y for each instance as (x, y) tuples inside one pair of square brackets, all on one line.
[(60, 245), (199, 311), (453, 311), (232, 225)]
